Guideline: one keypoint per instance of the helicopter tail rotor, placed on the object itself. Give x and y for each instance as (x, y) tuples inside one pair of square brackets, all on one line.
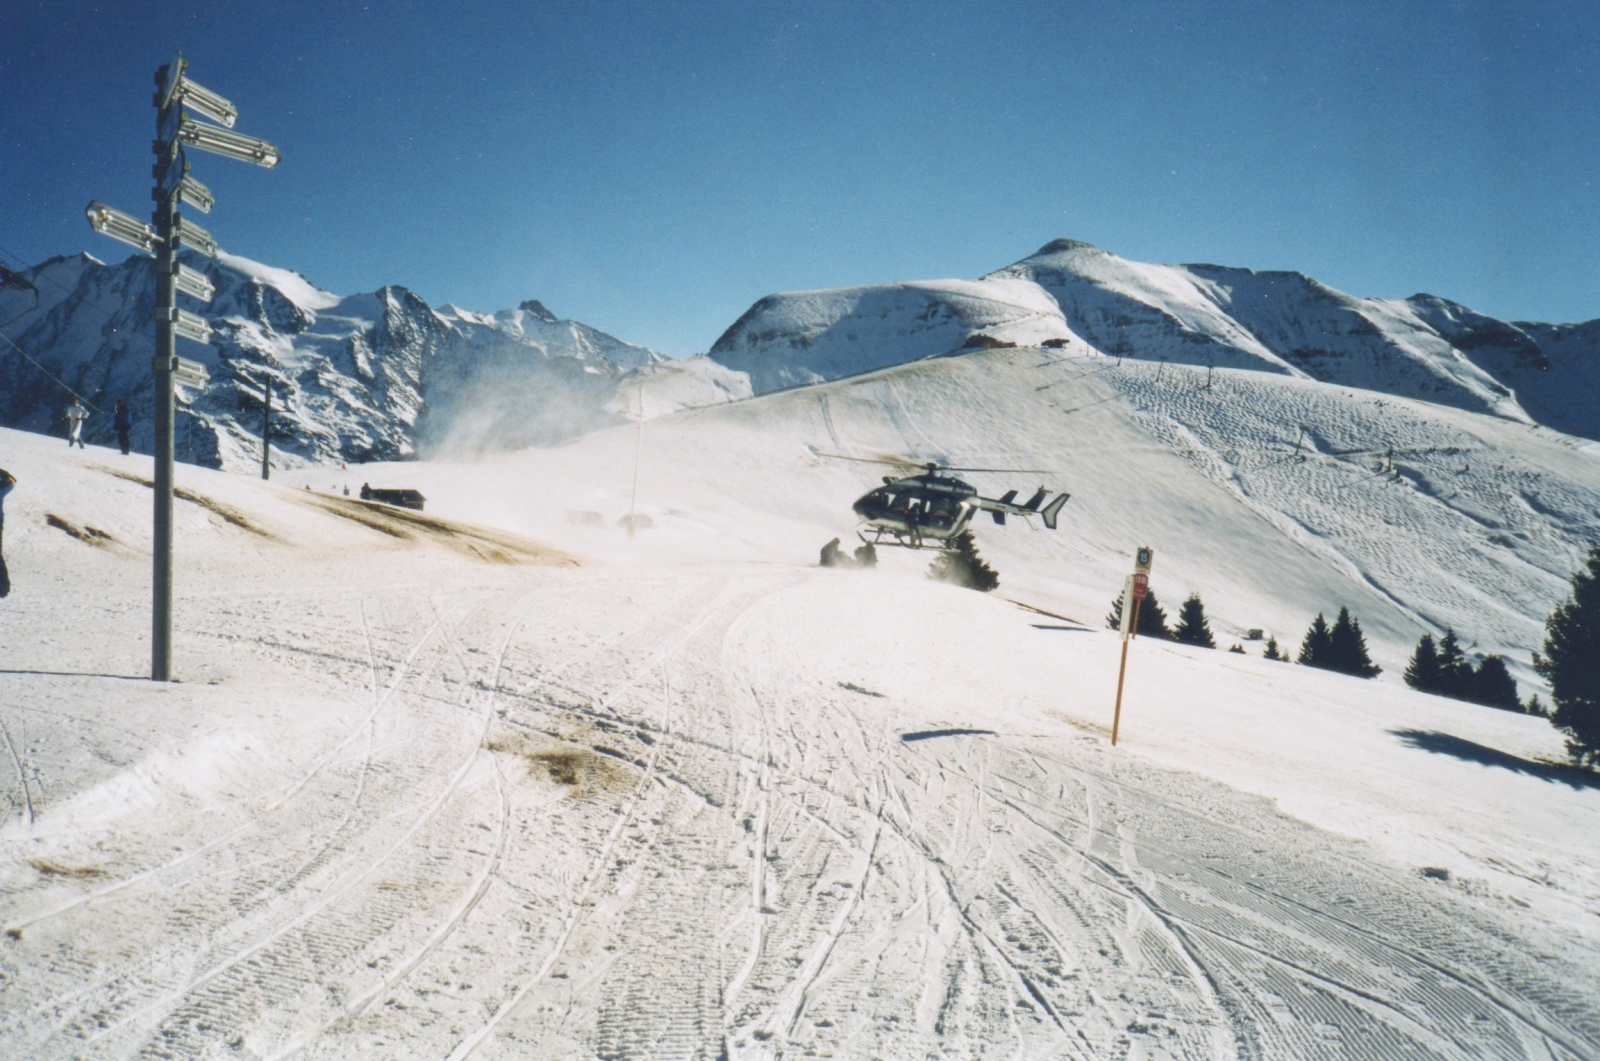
[(1036, 500)]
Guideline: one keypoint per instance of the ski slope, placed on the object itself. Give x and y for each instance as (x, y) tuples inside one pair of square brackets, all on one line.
[(502, 781)]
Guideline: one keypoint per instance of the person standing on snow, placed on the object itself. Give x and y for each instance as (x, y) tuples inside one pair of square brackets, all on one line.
[(7, 481), (76, 415), (122, 421)]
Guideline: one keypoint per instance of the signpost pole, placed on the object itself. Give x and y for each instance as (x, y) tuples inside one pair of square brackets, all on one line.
[(174, 128), (166, 217)]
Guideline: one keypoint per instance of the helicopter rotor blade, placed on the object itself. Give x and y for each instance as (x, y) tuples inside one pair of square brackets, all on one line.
[(1018, 471), (908, 462)]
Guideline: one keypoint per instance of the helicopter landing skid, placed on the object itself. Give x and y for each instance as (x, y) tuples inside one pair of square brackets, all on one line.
[(879, 536)]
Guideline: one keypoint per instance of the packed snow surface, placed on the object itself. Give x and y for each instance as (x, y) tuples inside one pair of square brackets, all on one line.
[(502, 781)]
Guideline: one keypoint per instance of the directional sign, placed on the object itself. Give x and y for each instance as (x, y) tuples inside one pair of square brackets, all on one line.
[(195, 238), (191, 374), (193, 328), (194, 283), (193, 193), (120, 226), (188, 325)]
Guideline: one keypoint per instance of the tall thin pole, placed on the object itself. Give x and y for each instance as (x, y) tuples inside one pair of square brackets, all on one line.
[(1122, 670), (638, 445), (166, 219), (266, 428)]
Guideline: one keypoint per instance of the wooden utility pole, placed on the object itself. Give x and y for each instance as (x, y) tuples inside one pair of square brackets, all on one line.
[(1122, 670), (266, 428), (1133, 594)]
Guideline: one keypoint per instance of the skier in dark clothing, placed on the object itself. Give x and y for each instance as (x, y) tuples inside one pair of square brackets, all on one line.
[(831, 556), (122, 421), (7, 481)]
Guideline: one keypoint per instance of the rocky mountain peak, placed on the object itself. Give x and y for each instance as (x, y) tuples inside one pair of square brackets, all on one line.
[(535, 307)]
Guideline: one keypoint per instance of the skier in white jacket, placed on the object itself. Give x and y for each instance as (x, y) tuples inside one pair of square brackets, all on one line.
[(76, 415)]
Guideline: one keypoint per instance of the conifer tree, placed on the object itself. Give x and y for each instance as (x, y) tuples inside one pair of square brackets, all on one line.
[(1315, 650), (1570, 662), (961, 565), (1192, 628), (1236, 647), (1422, 673), (1272, 651), (1347, 648), (1493, 686), (1455, 673), (1152, 619)]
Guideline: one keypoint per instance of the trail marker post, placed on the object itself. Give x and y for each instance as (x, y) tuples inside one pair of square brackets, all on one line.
[(1134, 590)]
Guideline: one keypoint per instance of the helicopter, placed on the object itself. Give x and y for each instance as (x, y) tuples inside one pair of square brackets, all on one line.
[(931, 509)]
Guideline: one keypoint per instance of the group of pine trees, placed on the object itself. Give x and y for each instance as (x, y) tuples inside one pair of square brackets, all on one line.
[(1444, 670), (1341, 647), (1569, 662), (1192, 629)]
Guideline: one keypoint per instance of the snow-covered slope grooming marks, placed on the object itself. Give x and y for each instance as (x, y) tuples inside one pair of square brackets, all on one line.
[(1280, 322), (658, 808)]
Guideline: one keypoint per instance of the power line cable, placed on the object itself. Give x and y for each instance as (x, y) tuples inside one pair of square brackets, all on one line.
[(52, 375), (49, 279)]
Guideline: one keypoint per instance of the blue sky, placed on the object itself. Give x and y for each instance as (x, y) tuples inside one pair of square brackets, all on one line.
[(652, 169)]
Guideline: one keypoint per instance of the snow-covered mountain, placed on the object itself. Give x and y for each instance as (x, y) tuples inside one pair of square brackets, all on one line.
[(359, 377), (1282, 322)]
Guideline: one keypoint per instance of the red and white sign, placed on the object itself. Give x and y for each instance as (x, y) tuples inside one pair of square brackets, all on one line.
[(1141, 585)]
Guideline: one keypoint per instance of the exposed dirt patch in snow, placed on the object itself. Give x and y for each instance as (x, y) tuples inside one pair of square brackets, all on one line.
[(579, 768), (481, 543), (88, 535), (228, 513), (54, 869)]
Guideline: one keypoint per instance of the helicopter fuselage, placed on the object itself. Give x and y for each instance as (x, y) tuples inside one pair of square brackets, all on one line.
[(930, 509)]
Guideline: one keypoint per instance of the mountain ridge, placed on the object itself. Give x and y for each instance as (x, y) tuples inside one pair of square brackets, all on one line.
[(379, 375), (1075, 295)]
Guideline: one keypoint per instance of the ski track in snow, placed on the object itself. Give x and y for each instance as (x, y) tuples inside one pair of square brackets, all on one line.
[(658, 812), (751, 863)]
